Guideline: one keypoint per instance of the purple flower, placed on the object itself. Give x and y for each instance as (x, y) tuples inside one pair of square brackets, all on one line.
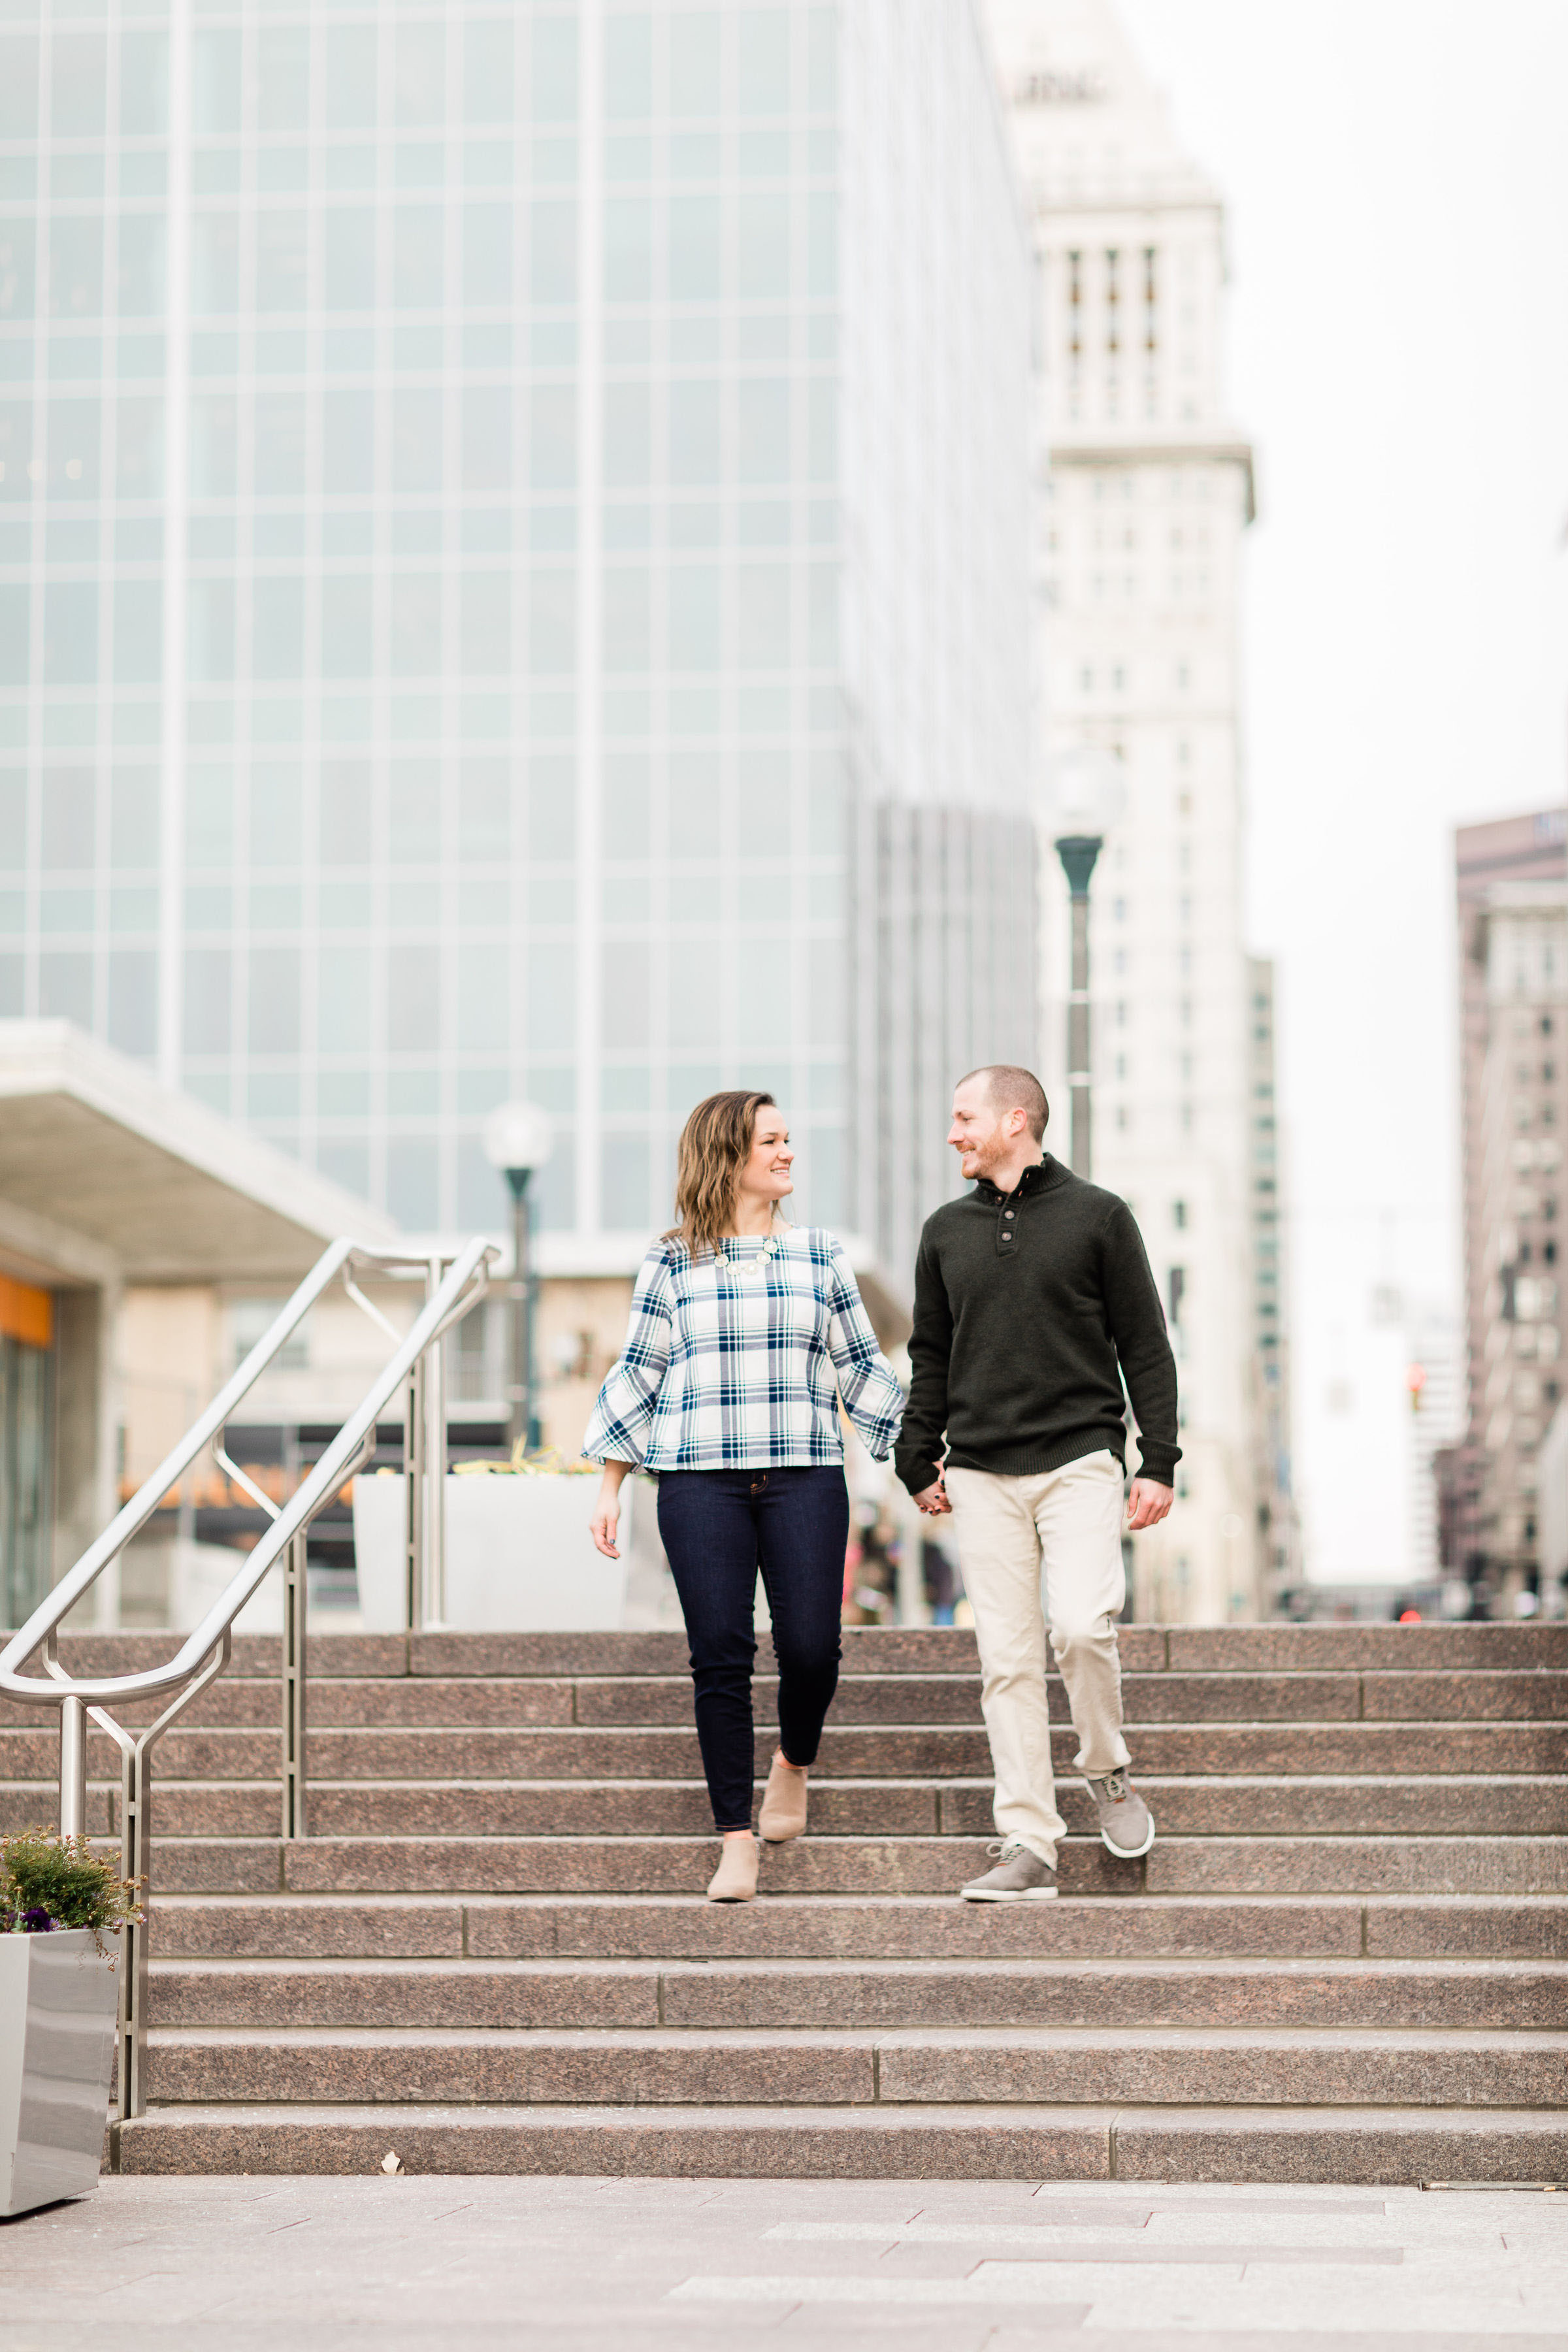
[(38, 1922)]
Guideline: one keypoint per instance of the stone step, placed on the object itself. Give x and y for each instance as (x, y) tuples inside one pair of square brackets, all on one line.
[(643, 1701), (851, 1865), (1354, 2144), (1007, 2066), (1272, 1648), (828, 1927), (1516, 1806), (885, 1752), (1484, 1996)]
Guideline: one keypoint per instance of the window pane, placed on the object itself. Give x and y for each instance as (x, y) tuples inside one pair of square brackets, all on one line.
[(416, 257), (695, 61), (283, 78), (343, 1011), (348, 444), (351, 257), (70, 632), (551, 997), (215, 446), (416, 441), (626, 985), (140, 265), (346, 613), (413, 809), (693, 434), (625, 1186), (281, 445), (416, 624), (628, 434), (274, 1000), (483, 987), (486, 609), (81, 67), (487, 437), (70, 812), (552, 438), (209, 816), (413, 998), (139, 448), (277, 648), (76, 266), (344, 812), (351, 76), (551, 806), (73, 449), (763, 416), (695, 224), (138, 633), (420, 74), (207, 1013), (487, 256), (133, 999), (484, 810), (488, 71), (626, 618)]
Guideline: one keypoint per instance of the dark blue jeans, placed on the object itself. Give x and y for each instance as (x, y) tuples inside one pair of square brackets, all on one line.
[(719, 1528)]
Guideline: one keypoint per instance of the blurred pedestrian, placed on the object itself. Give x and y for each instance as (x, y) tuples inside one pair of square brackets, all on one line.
[(1033, 1301), (745, 1333)]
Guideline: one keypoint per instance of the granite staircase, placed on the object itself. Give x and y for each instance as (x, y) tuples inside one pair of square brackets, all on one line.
[(1345, 1959)]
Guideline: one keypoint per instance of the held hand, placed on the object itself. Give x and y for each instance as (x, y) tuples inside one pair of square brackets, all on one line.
[(932, 1500), (603, 1525), (1147, 1503)]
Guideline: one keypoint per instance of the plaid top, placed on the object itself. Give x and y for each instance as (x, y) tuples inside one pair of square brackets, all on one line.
[(732, 1366)]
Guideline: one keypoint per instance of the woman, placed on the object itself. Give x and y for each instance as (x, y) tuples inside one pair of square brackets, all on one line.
[(741, 1327)]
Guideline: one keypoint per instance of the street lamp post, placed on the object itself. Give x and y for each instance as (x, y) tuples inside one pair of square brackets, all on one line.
[(1086, 797), (518, 1140)]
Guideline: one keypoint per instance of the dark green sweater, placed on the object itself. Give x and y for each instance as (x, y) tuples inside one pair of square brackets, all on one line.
[(1027, 1302)]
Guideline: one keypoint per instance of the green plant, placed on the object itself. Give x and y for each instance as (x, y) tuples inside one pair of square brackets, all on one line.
[(48, 1881)]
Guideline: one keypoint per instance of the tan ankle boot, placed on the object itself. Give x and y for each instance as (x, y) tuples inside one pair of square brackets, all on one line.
[(783, 1816), (735, 1880)]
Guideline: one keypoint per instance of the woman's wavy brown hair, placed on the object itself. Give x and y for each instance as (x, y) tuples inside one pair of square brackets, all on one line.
[(715, 1144)]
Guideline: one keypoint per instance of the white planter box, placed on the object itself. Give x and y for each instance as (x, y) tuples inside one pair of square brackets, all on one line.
[(59, 1999), (519, 1556)]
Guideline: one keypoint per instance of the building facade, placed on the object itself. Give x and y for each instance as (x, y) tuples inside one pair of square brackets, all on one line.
[(1151, 494), (514, 580), (1512, 883)]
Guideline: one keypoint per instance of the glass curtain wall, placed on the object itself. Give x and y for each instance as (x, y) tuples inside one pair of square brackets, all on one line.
[(443, 654)]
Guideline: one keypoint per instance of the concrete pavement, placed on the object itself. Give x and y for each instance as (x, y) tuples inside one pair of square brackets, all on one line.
[(316, 2264)]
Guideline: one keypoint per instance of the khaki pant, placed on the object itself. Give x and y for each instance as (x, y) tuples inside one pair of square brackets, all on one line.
[(1067, 1521)]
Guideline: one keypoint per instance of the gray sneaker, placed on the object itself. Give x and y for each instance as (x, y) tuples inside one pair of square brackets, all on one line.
[(1126, 1824), (1019, 1877)]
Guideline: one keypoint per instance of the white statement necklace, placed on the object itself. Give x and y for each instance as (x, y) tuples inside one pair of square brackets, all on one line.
[(752, 1267)]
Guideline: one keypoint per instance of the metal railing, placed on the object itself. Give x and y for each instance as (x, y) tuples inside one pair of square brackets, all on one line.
[(414, 1369)]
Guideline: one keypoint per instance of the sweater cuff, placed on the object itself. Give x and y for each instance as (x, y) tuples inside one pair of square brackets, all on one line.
[(916, 1475), (1158, 1462)]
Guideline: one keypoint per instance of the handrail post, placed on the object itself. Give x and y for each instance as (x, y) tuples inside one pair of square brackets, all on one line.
[(415, 1432), (433, 1559), (135, 1852), (295, 1618), (73, 1767)]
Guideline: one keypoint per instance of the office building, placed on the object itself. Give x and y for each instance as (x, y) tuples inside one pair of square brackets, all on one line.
[(514, 580), (1151, 494), (1512, 888)]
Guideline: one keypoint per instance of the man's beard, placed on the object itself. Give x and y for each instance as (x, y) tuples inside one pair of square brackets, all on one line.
[(987, 1157)]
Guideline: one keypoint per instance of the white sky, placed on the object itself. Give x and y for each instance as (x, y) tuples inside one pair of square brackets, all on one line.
[(1397, 173)]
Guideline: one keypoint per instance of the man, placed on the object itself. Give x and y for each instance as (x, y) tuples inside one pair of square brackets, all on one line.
[(1033, 1302)]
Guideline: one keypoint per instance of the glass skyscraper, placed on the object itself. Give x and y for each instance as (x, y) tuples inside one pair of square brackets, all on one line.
[(514, 577)]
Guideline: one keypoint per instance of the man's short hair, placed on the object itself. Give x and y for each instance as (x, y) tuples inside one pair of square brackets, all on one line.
[(1011, 1088)]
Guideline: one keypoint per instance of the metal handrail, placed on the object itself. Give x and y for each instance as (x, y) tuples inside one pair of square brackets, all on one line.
[(452, 1287)]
